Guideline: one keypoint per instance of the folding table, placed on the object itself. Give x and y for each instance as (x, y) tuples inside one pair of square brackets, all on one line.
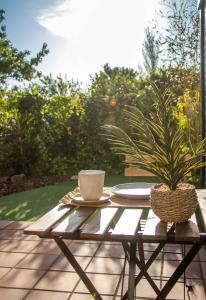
[(120, 221)]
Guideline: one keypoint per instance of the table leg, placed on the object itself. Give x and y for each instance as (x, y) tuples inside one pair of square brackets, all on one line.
[(141, 251), (146, 266), (180, 270), (143, 268), (132, 267), (78, 268)]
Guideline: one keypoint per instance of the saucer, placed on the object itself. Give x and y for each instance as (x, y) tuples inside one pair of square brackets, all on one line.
[(77, 199)]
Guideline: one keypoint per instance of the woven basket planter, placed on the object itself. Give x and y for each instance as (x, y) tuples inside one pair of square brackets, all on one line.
[(174, 206)]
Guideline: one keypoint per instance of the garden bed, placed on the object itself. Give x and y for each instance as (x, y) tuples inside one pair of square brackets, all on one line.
[(9, 187)]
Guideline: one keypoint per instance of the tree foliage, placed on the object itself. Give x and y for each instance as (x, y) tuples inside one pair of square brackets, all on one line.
[(109, 91), (179, 37), (59, 86), (156, 144), (15, 64), (54, 126), (150, 50), (37, 133)]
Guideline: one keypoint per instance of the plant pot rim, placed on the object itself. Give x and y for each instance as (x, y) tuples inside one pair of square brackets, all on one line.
[(163, 187)]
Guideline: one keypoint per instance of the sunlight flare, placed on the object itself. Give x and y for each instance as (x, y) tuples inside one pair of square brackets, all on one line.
[(98, 31)]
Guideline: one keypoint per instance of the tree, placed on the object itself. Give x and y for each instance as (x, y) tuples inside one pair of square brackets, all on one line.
[(38, 134), (109, 92), (156, 144), (15, 64), (150, 50), (58, 86), (180, 36), (20, 126)]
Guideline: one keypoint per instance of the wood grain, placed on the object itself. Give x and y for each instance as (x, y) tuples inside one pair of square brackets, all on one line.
[(127, 224), (73, 222), (47, 221), (100, 223), (132, 171)]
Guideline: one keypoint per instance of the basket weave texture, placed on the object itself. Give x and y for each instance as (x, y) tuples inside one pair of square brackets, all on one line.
[(174, 206)]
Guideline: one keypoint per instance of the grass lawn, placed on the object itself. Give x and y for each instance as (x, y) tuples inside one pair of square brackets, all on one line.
[(30, 205)]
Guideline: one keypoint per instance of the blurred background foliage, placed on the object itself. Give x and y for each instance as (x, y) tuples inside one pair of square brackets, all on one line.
[(52, 126)]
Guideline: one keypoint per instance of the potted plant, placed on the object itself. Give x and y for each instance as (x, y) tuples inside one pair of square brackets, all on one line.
[(156, 143)]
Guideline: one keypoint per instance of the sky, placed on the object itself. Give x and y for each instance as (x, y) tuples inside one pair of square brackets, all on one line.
[(82, 35)]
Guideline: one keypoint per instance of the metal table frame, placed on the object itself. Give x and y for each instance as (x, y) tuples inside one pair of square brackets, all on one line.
[(130, 245), (181, 268)]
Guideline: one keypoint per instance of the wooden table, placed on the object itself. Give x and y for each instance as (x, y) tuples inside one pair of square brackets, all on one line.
[(120, 222)]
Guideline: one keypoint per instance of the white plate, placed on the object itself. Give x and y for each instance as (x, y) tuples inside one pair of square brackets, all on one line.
[(136, 190), (77, 199)]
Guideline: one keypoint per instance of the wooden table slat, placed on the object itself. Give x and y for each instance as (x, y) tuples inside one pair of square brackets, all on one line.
[(154, 228), (99, 223), (47, 221), (187, 231), (201, 211), (73, 221), (127, 224)]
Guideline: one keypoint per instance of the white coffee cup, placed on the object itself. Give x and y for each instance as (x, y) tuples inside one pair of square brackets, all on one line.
[(91, 183)]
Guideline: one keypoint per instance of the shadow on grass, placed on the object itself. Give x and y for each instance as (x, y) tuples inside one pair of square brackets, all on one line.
[(30, 205)]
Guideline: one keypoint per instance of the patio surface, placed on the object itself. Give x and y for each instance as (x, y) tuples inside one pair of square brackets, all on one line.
[(31, 268)]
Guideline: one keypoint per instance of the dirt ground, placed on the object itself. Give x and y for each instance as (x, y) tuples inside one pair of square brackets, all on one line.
[(8, 187)]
